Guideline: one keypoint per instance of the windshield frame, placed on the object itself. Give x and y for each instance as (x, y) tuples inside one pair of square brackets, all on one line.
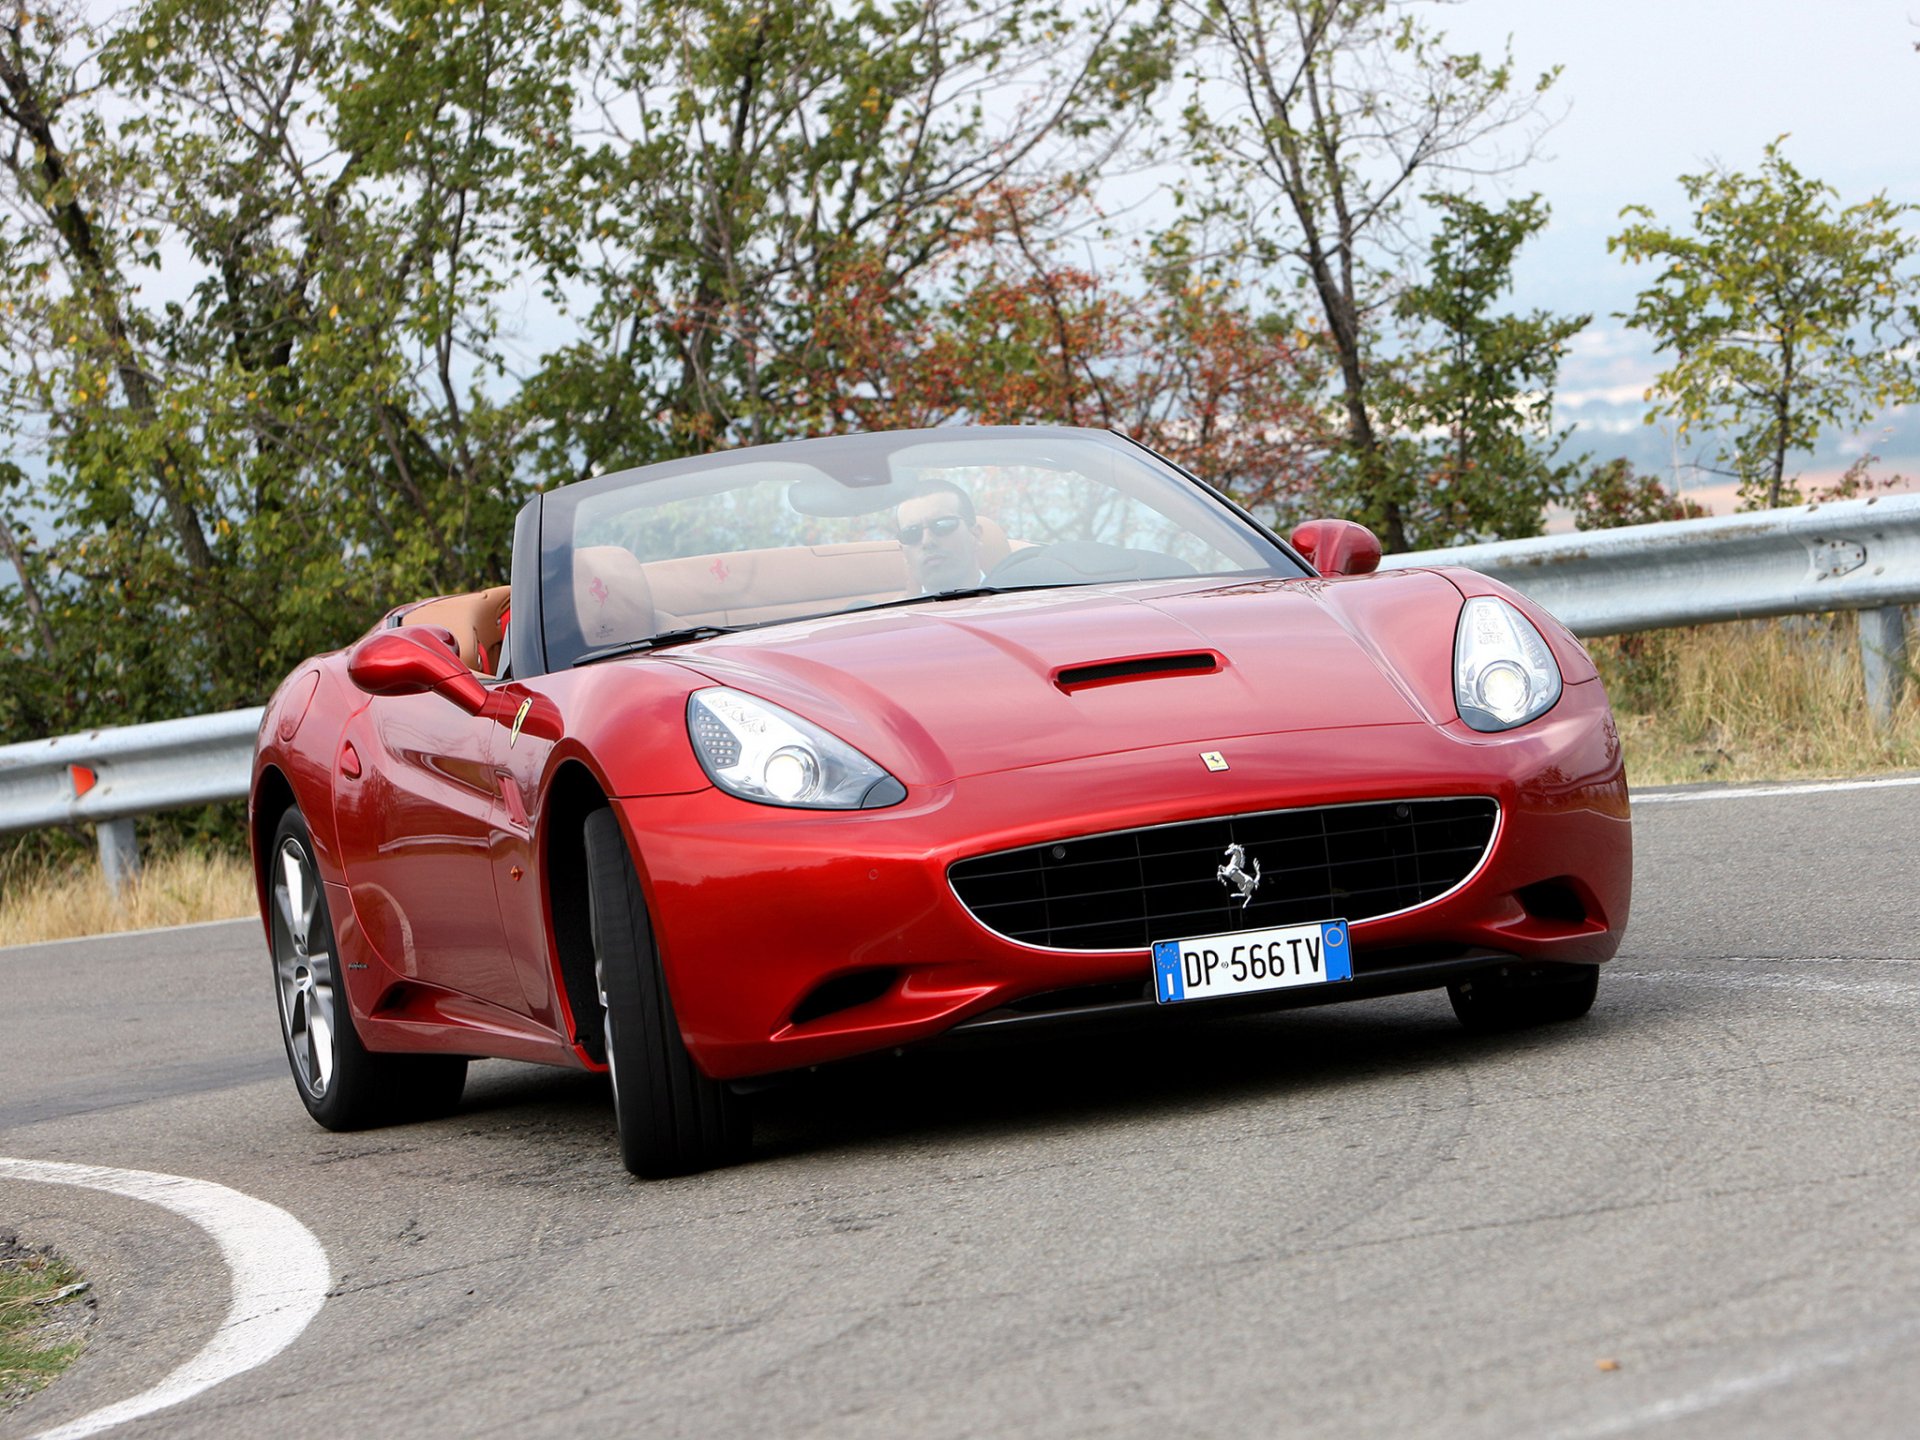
[(544, 551)]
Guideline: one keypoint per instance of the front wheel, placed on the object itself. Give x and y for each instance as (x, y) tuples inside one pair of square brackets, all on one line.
[(1512, 997), (673, 1119), (344, 1085)]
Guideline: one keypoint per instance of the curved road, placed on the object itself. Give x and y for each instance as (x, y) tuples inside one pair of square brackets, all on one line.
[(1693, 1214)]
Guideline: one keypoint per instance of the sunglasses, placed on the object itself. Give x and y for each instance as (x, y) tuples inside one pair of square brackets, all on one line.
[(945, 525)]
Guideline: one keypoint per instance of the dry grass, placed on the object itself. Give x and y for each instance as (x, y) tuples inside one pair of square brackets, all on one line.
[(1755, 700), (41, 902)]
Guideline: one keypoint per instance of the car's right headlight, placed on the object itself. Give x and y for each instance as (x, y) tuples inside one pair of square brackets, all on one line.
[(756, 750), (1503, 672)]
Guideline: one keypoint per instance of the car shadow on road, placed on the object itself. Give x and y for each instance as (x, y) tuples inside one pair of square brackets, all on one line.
[(1041, 1083), (1142, 1074)]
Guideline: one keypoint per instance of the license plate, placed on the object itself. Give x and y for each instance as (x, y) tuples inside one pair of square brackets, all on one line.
[(1251, 960)]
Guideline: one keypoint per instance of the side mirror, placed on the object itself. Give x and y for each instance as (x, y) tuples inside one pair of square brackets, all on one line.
[(1338, 547), (412, 660)]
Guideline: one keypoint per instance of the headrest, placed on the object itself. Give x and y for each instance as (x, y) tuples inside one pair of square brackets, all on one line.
[(611, 595), (993, 542)]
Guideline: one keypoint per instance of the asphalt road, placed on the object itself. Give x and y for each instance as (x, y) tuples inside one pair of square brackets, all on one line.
[(1692, 1214)]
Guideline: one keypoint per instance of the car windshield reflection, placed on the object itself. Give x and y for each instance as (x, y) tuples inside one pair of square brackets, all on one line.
[(747, 538)]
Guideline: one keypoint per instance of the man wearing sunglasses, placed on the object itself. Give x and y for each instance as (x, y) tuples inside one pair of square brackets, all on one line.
[(940, 536)]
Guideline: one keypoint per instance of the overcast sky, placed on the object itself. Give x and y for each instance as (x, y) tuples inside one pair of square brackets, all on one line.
[(1651, 91)]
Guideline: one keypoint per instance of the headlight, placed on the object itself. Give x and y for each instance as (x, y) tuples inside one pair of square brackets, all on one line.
[(1503, 673), (763, 753)]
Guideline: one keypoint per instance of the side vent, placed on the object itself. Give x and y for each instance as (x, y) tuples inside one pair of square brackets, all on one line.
[(843, 992), (1139, 667)]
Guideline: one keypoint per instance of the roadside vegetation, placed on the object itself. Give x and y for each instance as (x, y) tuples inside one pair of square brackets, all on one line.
[(1754, 700), (56, 896), (43, 1319)]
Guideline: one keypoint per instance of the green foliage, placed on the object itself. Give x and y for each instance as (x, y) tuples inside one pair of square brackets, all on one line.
[(737, 161), (1613, 494), (251, 285), (1473, 454), (302, 300), (1783, 315), (1335, 112), (263, 262), (35, 1288)]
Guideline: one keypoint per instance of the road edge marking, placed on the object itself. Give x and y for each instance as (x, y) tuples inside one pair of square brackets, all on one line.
[(129, 934), (279, 1270), (1755, 792)]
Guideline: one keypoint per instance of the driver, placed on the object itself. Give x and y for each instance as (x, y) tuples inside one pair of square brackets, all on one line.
[(940, 537)]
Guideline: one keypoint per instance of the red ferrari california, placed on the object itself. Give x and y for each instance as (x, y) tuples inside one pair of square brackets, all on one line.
[(793, 753)]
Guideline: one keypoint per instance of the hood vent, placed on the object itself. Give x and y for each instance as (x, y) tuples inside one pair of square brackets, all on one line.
[(1139, 667)]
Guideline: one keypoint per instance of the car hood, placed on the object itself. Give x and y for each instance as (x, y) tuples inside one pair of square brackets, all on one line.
[(961, 687)]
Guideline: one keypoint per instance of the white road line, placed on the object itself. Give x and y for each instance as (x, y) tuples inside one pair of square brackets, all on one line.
[(1754, 792), (1739, 1387), (280, 1278)]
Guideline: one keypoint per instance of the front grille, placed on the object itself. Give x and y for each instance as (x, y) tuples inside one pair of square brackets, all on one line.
[(1125, 890)]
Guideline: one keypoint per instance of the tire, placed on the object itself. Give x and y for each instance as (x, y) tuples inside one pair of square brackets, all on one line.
[(1513, 997), (673, 1119), (344, 1085)]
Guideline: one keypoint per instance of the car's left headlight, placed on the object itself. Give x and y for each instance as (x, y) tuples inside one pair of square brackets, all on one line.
[(758, 751), (1503, 672)]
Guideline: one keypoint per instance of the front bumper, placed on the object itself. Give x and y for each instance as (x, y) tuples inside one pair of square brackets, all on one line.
[(848, 919)]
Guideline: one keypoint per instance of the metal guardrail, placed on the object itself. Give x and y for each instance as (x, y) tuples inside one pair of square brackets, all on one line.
[(1854, 555), (108, 777), (1850, 555)]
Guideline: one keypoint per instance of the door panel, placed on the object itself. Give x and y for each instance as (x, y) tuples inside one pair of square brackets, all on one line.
[(521, 746), (416, 834)]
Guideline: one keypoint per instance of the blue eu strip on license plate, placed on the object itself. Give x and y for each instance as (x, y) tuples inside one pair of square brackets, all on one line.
[(1251, 960)]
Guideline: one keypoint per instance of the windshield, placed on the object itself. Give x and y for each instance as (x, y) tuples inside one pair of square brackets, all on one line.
[(817, 527)]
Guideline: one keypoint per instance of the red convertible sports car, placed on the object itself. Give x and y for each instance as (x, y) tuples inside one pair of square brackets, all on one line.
[(794, 753)]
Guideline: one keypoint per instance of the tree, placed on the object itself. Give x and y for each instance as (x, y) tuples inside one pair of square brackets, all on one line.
[(1614, 494), (1176, 358), (249, 254), (260, 262), (1336, 110), (736, 158), (1783, 315), (1474, 450)]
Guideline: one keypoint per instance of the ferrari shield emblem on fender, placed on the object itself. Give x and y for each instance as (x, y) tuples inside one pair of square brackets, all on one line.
[(519, 719), (1234, 875), (1214, 759)]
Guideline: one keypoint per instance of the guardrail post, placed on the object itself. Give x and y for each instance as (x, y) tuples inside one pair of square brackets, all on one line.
[(1883, 658), (119, 853)]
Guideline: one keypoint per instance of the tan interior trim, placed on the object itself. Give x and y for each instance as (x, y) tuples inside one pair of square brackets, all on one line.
[(474, 621)]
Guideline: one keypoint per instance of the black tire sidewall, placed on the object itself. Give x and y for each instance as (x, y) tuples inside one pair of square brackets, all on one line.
[(368, 1089), (673, 1119), (334, 1109), (1493, 1002)]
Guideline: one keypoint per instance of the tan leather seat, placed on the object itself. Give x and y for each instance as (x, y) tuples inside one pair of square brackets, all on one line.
[(750, 586), (612, 596), (994, 545), (474, 621)]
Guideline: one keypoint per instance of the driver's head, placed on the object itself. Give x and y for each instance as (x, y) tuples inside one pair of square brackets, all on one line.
[(940, 537)]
